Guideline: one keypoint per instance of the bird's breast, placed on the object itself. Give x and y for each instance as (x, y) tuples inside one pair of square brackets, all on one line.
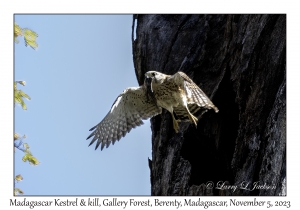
[(164, 95)]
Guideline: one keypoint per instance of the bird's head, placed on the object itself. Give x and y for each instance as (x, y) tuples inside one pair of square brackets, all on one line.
[(155, 77)]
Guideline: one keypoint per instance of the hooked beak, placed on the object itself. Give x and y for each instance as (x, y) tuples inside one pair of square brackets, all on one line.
[(148, 83), (149, 90)]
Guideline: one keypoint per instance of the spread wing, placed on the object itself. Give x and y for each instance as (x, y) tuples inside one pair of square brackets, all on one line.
[(127, 112), (196, 98)]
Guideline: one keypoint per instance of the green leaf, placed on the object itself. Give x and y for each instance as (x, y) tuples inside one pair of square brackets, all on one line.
[(26, 146), (18, 98), (25, 157), (23, 105), (30, 158), (17, 191), (19, 177), (17, 32), (20, 82), (33, 161), (24, 95), (19, 95), (30, 38), (16, 136)]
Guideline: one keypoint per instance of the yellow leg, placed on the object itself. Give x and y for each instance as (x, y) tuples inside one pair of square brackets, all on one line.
[(175, 123), (193, 119)]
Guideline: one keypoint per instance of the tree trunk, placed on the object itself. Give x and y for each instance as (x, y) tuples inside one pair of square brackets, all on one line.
[(239, 61)]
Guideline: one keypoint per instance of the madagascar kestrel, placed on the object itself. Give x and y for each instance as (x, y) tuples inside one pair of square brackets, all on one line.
[(176, 93)]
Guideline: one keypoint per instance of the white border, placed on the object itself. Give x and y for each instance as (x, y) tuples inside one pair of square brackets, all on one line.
[(8, 8)]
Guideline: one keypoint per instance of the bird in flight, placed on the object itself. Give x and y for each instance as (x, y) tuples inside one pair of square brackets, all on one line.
[(176, 93)]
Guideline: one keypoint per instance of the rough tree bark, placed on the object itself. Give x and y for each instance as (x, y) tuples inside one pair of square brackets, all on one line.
[(239, 61)]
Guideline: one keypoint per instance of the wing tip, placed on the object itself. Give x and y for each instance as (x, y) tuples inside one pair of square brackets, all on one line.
[(93, 128), (97, 145), (91, 143), (216, 109), (92, 134), (102, 146)]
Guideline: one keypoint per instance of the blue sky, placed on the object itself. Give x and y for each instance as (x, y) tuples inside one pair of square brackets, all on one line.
[(82, 64)]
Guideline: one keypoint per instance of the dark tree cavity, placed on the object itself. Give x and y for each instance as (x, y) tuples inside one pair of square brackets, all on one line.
[(239, 61)]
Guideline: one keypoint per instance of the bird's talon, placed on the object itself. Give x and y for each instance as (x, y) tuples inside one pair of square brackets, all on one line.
[(175, 125)]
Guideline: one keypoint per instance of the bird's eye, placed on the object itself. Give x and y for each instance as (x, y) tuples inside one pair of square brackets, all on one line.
[(153, 74)]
